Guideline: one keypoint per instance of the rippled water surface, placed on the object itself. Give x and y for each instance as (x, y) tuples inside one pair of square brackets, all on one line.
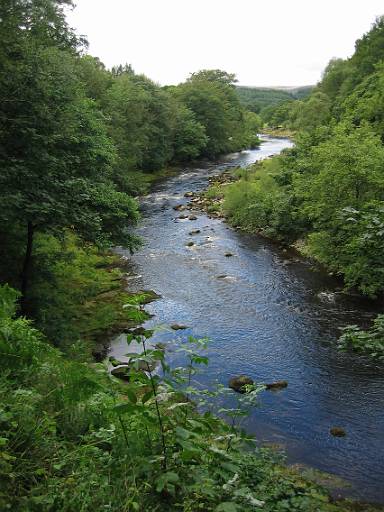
[(273, 317)]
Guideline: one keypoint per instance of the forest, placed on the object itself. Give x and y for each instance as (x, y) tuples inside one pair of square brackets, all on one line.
[(263, 100), (79, 145)]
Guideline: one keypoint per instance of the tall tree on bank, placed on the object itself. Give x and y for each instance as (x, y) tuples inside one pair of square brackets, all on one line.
[(55, 156), (211, 95)]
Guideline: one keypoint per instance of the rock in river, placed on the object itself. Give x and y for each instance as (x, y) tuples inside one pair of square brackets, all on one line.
[(194, 232), (192, 217), (238, 383), (274, 386), (338, 432), (178, 327)]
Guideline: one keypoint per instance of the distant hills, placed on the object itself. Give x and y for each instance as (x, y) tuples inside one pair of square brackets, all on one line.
[(256, 99)]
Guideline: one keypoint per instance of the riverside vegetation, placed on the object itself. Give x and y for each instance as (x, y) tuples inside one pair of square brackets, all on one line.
[(78, 143)]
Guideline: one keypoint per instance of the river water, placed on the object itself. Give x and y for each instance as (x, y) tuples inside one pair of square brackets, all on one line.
[(274, 317)]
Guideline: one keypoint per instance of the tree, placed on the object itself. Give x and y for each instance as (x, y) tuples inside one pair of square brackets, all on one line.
[(56, 157), (366, 103), (311, 113), (334, 76), (190, 138), (95, 78), (215, 103), (339, 194), (141, 123)]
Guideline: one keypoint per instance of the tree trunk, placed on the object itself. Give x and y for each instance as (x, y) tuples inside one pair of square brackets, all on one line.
[(25, 274)]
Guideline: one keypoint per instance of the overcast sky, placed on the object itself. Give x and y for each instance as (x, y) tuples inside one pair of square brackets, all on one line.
[(265, 42)]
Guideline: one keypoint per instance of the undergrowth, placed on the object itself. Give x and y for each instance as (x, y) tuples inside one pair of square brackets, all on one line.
[(77, 293)]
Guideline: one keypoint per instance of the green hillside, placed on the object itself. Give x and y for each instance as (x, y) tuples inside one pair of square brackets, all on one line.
[(256, 99)]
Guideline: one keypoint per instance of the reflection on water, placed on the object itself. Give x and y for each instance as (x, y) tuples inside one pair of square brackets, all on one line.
[(274, 318)]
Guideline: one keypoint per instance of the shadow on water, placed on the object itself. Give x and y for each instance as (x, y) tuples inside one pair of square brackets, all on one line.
[(272, 318)]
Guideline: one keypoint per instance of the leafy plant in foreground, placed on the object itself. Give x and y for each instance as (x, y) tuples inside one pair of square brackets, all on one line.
[(370, 341)]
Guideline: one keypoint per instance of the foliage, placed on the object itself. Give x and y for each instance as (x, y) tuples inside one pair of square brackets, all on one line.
[(370, 342), (190, 137), (257, 203), (366, 103)]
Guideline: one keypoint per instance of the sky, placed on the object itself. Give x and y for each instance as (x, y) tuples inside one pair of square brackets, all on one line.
[(264, 42)]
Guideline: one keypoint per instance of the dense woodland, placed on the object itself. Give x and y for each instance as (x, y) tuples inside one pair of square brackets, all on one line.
[(78, 144)]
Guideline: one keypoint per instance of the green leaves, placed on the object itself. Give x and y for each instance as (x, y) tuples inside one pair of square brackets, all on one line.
[(167, 482), (369, 342)]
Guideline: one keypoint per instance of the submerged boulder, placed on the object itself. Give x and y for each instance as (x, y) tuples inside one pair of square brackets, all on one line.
[(274, 386), (337, 432), (178, 327), (239, 383)]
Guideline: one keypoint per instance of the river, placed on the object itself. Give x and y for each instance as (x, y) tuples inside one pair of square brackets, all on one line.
[(274, 317)]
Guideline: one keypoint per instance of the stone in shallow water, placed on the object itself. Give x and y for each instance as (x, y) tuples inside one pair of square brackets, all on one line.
[(192, 217), (238, 383), (274, 386), (178, 327), (338, 432)]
